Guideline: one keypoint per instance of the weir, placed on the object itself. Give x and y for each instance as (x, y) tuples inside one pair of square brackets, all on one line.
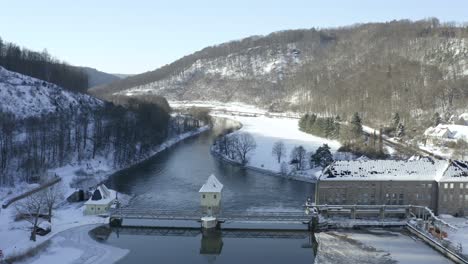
[(260, 220)]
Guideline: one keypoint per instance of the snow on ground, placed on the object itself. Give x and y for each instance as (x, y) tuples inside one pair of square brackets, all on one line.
[(219, 106), (15, 235), (461, 234), (25, 96), (374, 246), (437, 150), (266, 131)]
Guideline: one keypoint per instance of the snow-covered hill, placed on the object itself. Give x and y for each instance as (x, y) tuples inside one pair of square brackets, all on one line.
[(25, 96), (375, 69)]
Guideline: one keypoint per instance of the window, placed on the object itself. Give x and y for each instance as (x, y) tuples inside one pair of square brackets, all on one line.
[(445, 185), (466, 197), (424, 185), (462, 185), (417, 196), (461, 198), (214, 196), (401, 198), (445, 198), (429, 185), (451, 185), (387, 198), (204, 196), (99, 208)]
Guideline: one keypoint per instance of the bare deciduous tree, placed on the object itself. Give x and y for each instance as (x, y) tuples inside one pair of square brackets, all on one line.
[(279, 150), (245, 144), (53, 195), (31, 209), (298, 157)]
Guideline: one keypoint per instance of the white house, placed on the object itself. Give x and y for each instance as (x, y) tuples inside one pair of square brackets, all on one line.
[(463, 119), (100, 201), (443, 132), (210, 195)]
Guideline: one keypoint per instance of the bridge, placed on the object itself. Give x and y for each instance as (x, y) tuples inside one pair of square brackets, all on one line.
[(118, 216)]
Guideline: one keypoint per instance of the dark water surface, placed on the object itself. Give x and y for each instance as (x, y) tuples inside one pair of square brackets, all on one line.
[(171, 180)]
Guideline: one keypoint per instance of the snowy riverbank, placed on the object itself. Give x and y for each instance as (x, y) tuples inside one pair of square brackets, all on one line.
[(266, 131), (15, 234)]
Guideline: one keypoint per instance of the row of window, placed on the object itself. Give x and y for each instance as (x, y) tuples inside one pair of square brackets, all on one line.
[(451, 185), (450, 198), (204, 196)]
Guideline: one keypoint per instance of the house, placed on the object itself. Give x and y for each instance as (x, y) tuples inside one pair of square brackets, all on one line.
[(423, 182), (100, 201), (210, 196), (462, 119), (441, 133)]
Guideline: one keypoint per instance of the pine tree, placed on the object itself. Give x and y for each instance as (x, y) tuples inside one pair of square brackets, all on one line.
[(436, 119), (322, 157), (356, 126), (395, 121)]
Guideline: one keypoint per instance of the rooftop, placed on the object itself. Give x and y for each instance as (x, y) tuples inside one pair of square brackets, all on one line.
[(425, 169), (212, 185)]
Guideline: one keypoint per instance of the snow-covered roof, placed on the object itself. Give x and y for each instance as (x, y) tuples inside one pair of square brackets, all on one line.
[(464, 116), (212, 185), (101, 196), (454, 131), (385, 170), (438, 131), (456, 171)]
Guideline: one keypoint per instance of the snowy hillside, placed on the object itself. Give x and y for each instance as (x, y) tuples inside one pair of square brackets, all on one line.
[(321, 71), (25, 96)]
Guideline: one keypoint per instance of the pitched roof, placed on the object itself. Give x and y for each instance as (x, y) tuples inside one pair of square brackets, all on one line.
[(385, 170), (101, 195), (212, 185), (456, 171)]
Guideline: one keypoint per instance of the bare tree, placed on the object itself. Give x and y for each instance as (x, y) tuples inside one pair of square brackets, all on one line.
[(298, 157), (31, 208), (53, 195), (279, 150), (245, 144)]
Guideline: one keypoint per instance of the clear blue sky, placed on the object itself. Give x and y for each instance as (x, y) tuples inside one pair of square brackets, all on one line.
[(136, 36)]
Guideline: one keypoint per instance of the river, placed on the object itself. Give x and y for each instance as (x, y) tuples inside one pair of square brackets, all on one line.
[(171, 180)]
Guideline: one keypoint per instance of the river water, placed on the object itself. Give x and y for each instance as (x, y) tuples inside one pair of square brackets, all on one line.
[(171, 181)]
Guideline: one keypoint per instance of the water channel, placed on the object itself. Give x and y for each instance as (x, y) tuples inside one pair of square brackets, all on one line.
[(171, 180)]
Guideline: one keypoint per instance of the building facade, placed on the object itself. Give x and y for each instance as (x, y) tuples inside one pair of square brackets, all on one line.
[(423, 182), (210, 196), (100, 202)]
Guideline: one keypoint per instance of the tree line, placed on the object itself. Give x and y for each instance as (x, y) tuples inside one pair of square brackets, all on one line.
[(28, 147), (42, 65)]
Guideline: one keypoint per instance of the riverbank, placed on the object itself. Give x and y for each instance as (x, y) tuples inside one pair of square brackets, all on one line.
[(15, 234), (266, 131)]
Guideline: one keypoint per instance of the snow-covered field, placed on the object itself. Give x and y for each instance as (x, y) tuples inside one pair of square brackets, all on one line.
[(266, 131), (14, 236)]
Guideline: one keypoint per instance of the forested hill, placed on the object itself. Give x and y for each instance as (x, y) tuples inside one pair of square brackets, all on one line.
[(42, 65), (375, 69), (23, 97)]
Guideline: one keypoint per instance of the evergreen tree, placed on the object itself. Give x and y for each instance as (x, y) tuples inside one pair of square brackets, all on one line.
[(356, 126), (395, 121), (436, 119), (322, 157), (400, 132)]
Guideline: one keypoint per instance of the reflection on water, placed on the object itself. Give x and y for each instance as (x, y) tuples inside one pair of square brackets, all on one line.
[(150, 245)]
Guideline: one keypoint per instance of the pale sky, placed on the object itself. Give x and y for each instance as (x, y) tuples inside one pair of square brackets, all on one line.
[(141, 35)]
